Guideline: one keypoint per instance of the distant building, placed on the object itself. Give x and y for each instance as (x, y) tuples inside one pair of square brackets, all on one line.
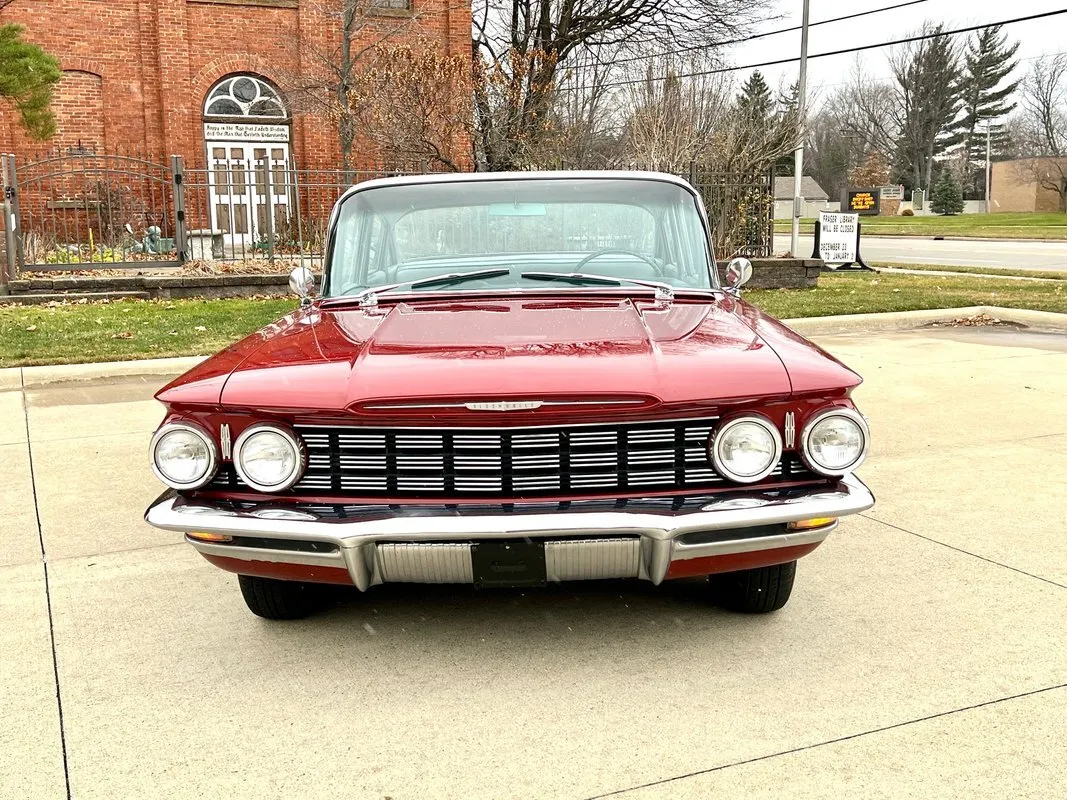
[(815, 197), (1014, 185)]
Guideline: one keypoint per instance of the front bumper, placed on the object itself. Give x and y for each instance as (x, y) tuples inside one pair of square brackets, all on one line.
[(434, 545)]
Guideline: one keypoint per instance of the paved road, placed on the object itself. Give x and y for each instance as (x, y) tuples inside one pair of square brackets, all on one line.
[(923, 653), (994, 255)]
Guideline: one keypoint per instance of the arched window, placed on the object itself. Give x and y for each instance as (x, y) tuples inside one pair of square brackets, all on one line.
[(245, 96)]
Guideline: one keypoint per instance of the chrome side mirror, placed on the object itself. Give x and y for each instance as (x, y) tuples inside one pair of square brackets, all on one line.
[(302, 282), (738, 271)]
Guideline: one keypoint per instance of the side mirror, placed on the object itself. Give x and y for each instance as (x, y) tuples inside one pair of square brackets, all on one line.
[(738, 271), (302, 282)]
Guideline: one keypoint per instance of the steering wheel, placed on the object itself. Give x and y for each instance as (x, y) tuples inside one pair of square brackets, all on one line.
[(617, 251)]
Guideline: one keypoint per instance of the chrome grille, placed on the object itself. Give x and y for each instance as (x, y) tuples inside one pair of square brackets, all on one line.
[(513, 462)]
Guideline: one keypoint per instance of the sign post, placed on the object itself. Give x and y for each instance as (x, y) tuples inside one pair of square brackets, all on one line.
[(837, 240)]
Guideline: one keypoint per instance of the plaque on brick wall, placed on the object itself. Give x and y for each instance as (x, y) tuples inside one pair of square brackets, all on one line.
[(245, 132)]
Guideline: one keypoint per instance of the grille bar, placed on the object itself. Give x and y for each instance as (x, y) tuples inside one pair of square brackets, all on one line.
[(518, 462)]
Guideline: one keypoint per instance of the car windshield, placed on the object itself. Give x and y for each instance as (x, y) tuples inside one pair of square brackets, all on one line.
[(632, 229)]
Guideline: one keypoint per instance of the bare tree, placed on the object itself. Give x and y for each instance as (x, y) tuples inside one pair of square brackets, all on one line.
[(1042, 126), (521, 47), (409, 101), (673, 121), (332, 59)]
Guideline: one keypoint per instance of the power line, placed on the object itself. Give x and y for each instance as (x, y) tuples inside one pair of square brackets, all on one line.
[(764, 34), (843, 51)]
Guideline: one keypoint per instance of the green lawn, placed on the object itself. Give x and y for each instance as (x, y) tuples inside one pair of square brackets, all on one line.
[(994, 226), (138, 329)]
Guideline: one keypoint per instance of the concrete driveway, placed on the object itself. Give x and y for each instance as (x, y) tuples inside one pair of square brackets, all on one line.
[(924, 653), (994, 255)]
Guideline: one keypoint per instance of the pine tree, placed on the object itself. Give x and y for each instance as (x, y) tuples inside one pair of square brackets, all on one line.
[(988, 62), (27, 75), (754, 102), (947, 197)]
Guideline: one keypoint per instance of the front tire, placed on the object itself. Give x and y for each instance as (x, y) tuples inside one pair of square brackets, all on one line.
[(274, 599), (754, 591)]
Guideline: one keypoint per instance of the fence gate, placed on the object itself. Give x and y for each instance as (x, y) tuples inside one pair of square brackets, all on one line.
[(77, 209)]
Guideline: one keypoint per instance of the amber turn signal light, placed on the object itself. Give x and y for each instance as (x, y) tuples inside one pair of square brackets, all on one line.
[(217, 538), (808, 524)]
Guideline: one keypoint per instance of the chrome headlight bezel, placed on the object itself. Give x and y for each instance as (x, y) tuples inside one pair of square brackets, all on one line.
[(719, 435), (200, 433), (294, 441), (837, 411)]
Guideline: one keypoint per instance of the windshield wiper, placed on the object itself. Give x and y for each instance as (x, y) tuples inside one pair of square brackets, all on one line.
[(369, 297), (664, 291)]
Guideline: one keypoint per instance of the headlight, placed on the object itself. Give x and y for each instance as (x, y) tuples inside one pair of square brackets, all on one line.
[(183, 456), (268, 458), (745, 449), (835, 442)]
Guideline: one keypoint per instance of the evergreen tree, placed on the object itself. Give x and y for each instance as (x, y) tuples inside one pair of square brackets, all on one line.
[(947, 197), (27, 75), (989, 61), (927, 75), (754, 102)]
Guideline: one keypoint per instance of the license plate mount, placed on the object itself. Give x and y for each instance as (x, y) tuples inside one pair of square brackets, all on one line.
[(509, 562)]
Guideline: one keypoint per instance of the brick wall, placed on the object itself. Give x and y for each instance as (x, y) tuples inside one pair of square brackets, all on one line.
[(78, 102), (136, 72)]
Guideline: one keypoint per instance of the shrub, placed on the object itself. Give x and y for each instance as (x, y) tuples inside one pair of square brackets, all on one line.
[(907, 212)]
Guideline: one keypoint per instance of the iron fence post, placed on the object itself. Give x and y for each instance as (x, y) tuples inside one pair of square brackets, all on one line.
[(8, 272), (270, 206), (177, 182)]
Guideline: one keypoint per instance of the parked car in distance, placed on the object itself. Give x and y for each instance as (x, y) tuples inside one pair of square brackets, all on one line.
[(507, 379)]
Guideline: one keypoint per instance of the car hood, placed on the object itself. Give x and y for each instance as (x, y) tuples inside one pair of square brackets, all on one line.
[(447, 353)]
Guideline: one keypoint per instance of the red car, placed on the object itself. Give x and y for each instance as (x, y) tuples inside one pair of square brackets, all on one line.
[(508, 379)]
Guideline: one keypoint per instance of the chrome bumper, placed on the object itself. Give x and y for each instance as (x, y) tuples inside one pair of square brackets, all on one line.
[(410, 546)]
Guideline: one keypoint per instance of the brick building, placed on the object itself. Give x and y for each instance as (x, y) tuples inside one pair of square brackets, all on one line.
[(137, 74), (1015, 185), (203, 79)]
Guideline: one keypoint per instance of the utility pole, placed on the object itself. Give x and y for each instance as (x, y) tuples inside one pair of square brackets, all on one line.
[(798, 155), (988, 164)]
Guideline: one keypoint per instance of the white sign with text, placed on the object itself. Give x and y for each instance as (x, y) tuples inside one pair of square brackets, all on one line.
[(838, 237), (243, 132)]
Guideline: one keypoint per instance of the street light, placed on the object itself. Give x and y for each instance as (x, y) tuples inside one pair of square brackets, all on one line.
[(798, 155)]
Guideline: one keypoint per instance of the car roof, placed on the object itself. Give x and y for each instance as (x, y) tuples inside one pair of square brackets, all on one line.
[(481, 177)]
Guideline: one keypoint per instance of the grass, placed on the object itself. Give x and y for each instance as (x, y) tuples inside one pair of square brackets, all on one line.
[(993, 226), (120, 331), (1051, 275), (867, 293), (125, 330)]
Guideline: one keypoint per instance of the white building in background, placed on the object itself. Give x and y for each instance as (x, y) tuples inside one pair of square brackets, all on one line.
[(815, 198)]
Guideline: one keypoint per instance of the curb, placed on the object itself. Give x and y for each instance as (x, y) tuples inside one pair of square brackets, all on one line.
[(911, 320), (30, 377)]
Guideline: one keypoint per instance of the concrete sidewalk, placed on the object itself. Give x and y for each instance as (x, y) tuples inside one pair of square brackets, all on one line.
[(924, 653)]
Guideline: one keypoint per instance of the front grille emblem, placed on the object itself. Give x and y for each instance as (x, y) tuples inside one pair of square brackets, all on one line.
[(511, 405)]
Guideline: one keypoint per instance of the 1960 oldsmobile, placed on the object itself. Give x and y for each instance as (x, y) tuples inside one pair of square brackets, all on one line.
[(508, 379)]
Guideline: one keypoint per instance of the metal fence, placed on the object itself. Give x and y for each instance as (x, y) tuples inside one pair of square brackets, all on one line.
[(78, 209)]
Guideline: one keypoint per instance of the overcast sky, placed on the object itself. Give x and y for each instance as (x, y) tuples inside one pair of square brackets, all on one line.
[(1038, 37)]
